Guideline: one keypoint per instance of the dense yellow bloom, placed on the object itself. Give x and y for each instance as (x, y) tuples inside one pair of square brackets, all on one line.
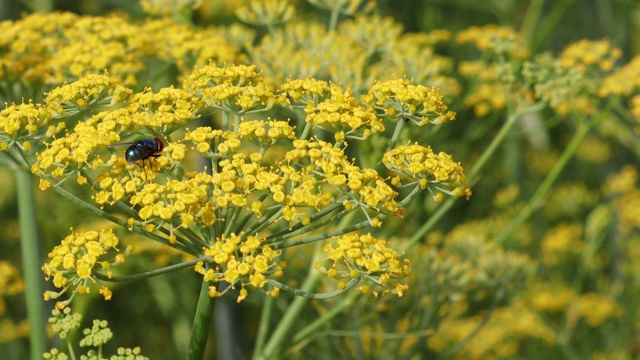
[(20, 122), (586, 55), (301, 49), (566, 90), (595, 309), (569, 200), (89, 92), (236, 89), (401, 100), (554, 298), (496, 39), (266, 12), (72, 263), (340, 114), (414, 56), (499, 337), (240, 259), (11, 282), (348, 7), (259, 175), (561, 241), (420, 163), (622, 182), (375, 33), (624, 81), (366, 256), (167, 7), (58, 47), (489, 95)]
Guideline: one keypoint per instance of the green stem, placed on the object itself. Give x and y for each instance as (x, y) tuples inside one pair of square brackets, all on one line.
[(311, 295), (201, 324), (549, 23), (473, 173), (333, 21), (149, 274), (531, 19), (306, 131), (499, 139), (31, 262), (270, 350), (103, 214), (319, 322), (545, 186), (265, 320), (392, 142)]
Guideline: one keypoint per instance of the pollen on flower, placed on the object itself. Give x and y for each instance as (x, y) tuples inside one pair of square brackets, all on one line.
[(363, 255), (419, 162), (44, 184), (76, 258), (409, 101), (106, 293)]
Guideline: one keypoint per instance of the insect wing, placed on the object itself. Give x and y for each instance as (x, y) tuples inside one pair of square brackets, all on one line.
[(122, 144)]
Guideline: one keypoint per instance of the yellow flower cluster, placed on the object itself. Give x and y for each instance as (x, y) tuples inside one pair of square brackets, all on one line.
[(11, 283), (560, 242), (307, 92), (569, 200), (83, 148), (374, 46), (634, 105), (622, 182), (255, 176), (89, 94), (347, 7), (594, 308), (498, 339), (566, 90), (167, 7), (303, 49), (422, 165), (375, 33), (266, 12), (414, 56), (624, 81), (552, 297), (494, 39), (58, 47), (240, 259), (338, 112), (489, 95), (20, 123), (400, 99), (588, 55), (72, 263), (628, 212), (236, 89), (365, 257), (362, 187)]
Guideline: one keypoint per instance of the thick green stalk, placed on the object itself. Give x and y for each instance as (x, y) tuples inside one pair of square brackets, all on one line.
[(471, 176), (201, 324), (531, 19), (265, 320), (333, 20), (549, 23), (272, 347), (31, 262), (545, 186), (325, 318)]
